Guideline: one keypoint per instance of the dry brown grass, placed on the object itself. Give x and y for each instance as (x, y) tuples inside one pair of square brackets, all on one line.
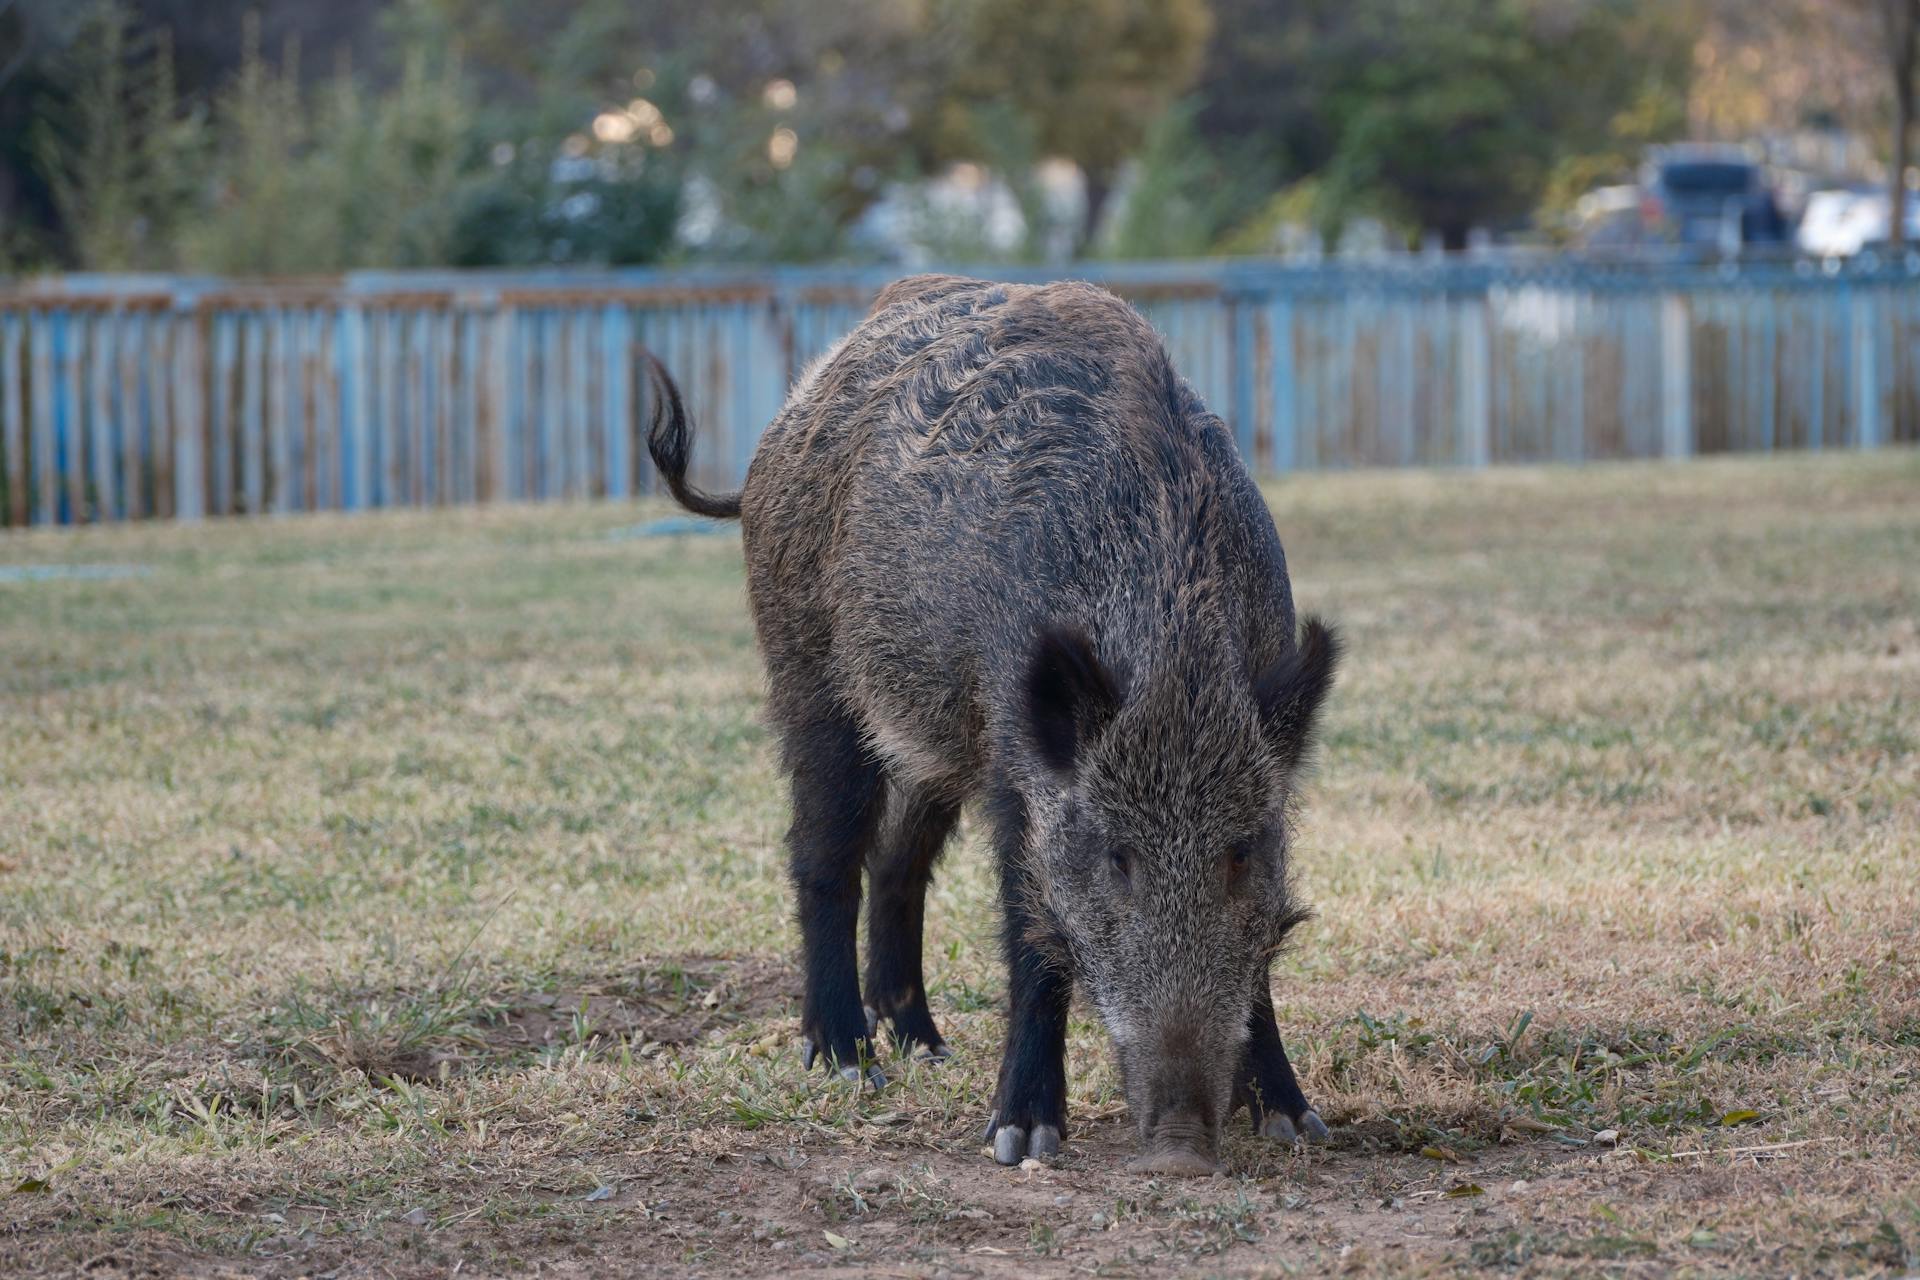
[(375, 892)]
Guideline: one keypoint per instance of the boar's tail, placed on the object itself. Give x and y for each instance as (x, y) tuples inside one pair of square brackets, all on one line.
[(670, 441)]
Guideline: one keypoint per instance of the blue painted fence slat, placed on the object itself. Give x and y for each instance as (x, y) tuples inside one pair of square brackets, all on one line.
[(140, 396)]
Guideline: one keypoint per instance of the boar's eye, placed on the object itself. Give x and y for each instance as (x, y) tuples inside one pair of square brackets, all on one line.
[(1239, 858), (1122, 863)]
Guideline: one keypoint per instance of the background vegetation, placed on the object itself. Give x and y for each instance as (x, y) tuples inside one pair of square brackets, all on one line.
[(276, 136)]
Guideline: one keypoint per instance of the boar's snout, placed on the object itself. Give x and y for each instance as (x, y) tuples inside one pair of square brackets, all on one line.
[(1179, 1102), (1180, 1143)]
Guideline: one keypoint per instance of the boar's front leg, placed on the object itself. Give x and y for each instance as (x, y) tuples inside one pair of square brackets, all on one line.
[(1030, 1106), (1267, 1085), (899, 868), (836, 800)]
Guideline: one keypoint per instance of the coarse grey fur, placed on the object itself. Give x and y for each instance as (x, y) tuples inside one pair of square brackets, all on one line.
[(997, 534)]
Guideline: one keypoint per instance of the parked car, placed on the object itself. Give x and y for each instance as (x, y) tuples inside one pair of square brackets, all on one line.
[(1608, 218), (1709, 196), (1844, 221), (1875, 219), (1839, 223)]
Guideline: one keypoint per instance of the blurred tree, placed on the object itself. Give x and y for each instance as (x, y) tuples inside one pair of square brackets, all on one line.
[(1896, 25), (1091, 75), (105, 124), (382, 169), (258, 220), (1778, 65), (1454, 113), (36, 37), (1775, 66), (1635, 64), (93, 173), (210, 36), (1264, 80), (1901, 18), (1183, 195), (119, 157), (782, 118), (808, 113), (543, 185), (1443, 114)]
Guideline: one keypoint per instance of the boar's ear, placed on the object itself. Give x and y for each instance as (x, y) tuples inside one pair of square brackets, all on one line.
[(1070, 696), (1291, 690)]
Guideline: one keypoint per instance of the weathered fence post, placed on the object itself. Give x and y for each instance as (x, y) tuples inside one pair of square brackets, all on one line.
[(132, 468), (1283, 436), (189, 423), (466, 329), (73, 428), (253, 414), (1866, 371), (224, 332), (277, 498), (357, 389), (616, 340), (47, 478), (13, 410), (500, 387), (1676, 377), (1476, 382), (101, 450), (161, 340), (1243, 367)]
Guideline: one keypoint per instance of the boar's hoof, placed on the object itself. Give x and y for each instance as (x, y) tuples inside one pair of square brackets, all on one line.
[(1310, 1128), (1013, 1144), (871, 1078), (935, 1052), (1279, 1128)]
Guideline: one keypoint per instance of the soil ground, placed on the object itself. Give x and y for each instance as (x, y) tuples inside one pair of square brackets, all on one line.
[(402, 895)]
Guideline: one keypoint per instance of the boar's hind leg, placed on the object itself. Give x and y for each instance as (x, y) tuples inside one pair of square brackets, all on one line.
[(1267, 1086), (836, 799), (910, 838), (1030, 1106)]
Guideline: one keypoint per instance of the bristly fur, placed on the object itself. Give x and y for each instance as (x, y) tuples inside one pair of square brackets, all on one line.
[(998, 550)]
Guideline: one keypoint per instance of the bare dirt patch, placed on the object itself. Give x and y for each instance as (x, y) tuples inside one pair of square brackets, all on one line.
[(671, 1002), (820, 1209)]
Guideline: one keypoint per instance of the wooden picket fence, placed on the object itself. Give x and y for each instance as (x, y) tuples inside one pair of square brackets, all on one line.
[(143, 397)]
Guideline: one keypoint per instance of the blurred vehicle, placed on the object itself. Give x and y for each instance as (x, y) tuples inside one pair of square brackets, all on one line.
[(1844, 221), (1876, 219), (1709, 196), (1608, 218), (1840, 222)]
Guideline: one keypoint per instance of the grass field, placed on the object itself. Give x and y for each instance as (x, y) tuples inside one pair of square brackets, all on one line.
[(385, 895)]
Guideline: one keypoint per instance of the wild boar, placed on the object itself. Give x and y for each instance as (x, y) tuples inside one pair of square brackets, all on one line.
[(999, 552)]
